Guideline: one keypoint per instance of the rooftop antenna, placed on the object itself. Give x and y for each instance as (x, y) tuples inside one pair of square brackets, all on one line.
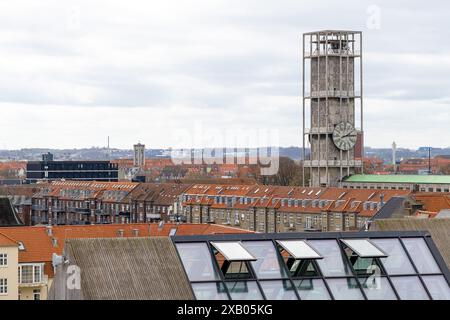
[(109, 151)]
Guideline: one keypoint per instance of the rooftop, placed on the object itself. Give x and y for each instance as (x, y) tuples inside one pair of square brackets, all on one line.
[(125, 269), (41, 242), (400, 178), (315, 266)]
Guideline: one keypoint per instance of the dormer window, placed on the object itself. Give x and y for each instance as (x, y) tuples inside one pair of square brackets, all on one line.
[(233, 259)]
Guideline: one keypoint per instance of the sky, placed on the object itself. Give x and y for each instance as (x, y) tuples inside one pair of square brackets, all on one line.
[(207, 72)]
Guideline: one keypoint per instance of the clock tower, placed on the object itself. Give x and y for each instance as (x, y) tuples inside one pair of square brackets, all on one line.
[(332, 106)]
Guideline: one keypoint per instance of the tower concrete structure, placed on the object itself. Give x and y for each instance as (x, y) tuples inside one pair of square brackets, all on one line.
[(139, 155), (332, 106)]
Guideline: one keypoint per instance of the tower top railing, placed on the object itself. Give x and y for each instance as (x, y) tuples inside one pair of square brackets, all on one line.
[(334, 52)]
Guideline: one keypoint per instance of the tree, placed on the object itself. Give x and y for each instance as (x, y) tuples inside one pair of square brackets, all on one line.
[(445, 169), (289, 174)]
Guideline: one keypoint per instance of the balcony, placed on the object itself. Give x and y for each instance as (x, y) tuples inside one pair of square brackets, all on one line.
[(30, 284), (334, 52), (321, 130), (100, 212), (332, 163), (32, 275), (39, 220), (333, 94), (38, 207), (79, 210)]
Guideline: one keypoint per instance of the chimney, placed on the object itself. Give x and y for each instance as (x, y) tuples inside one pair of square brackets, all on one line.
[(49, 230), (120, 233)]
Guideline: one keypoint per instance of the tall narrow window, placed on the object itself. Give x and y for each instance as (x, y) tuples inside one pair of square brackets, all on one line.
[(3, 259), (3, 286)]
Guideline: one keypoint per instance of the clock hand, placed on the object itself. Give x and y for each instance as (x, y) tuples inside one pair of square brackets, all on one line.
[(350, 134)]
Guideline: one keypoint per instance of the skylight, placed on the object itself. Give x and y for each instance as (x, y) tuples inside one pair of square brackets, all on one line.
[(314, 266), (299, 249), (233, 251), (364, 248)]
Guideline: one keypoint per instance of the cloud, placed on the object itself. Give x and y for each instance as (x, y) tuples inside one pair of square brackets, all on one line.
[(135, 71)]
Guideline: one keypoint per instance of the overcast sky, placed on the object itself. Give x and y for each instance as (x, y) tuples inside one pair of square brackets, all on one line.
[(72, 73)]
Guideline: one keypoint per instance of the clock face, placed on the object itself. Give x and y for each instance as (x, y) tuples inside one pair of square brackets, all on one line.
[(344, 136)]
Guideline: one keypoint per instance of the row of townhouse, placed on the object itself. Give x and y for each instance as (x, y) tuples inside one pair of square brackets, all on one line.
[(81, 202), (28, 254), (286, 209)]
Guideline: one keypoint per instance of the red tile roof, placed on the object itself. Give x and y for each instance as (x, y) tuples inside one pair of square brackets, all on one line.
[(262, 196), (39, 246), (7, 241), (432, 201)]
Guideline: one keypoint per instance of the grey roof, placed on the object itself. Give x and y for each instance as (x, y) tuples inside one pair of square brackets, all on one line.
[(444, 213), (8, 215), (129, 268), (438, 228), (394, 205)]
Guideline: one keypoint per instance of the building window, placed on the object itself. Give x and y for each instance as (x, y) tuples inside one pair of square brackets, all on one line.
[(3, 259), (37, 294), (3, 286), (308, 222), (30, 273)]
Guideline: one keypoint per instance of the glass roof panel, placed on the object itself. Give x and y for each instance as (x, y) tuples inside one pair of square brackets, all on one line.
[(299, 249), (197, 261), (363, 248), (233, 251), (377, 288), (268, 265), (438, 287), (333, 263), (421, 255), (409, 288), (244, 290), (312, 289), (278, 290), (210, 291), (397, 261), (345, 289)]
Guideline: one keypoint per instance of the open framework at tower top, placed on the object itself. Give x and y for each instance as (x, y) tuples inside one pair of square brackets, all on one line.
[(332, 94)]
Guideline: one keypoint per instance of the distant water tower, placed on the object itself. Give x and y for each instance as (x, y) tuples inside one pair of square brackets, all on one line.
[(139, 155), (394, 157)]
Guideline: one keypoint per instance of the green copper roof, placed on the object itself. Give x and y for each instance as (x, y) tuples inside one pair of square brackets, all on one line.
[(399, 178)]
